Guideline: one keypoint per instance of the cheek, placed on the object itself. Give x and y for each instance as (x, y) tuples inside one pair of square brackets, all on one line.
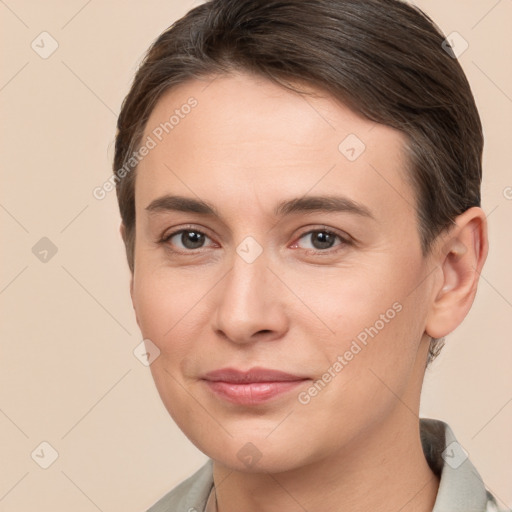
[(375, 323), (165, 306), (351, 301), (165, 311), (152, 303)]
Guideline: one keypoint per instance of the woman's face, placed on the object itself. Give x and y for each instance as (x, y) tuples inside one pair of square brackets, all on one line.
[(288, 326)]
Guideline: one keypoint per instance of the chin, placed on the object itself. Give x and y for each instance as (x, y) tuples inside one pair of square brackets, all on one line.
[(256, 453)]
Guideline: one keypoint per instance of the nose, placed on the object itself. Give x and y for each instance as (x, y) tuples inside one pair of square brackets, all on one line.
[(250, 303)]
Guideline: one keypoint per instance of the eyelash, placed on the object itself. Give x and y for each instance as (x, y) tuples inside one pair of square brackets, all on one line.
[(345, 241)]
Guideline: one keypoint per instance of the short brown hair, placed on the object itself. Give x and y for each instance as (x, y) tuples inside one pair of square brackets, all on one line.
[(383, 58)]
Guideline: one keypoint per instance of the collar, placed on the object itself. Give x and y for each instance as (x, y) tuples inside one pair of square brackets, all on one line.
[(461, 488)]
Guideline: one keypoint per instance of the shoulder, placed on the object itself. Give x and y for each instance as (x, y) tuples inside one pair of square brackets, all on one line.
[(189, 496)]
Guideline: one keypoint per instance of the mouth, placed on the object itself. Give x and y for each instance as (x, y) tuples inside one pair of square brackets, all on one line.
[(252, 387)]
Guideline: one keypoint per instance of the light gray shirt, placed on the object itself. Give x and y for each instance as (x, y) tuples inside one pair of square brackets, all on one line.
[(461, 488)]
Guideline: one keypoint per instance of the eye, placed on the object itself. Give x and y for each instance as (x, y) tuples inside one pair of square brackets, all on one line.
[(321, 240), (186, 239)]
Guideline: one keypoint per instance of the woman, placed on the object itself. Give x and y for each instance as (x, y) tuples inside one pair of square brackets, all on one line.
[(299, 186)]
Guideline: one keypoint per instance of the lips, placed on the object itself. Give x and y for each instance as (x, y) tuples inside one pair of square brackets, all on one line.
[(252, 387)]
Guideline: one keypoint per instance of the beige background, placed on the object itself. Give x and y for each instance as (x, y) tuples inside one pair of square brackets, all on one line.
[(68, 373)]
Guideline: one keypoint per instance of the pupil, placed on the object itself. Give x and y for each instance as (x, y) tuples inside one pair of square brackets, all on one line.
[(191, 239), (322, 240)]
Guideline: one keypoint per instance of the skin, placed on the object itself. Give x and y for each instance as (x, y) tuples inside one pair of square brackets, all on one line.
[(248, 145)]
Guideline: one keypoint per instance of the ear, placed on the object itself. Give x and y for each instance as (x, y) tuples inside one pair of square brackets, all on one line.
[(460, 256)]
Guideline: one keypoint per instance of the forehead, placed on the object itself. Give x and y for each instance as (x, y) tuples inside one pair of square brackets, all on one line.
[(238, 137)]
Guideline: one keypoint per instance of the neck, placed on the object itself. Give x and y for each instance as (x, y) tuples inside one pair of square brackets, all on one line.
[(381, 473), (383, 469)]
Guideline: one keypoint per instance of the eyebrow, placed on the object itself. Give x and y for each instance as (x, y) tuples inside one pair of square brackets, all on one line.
[(322, 204), (181, 204), (327, 203)]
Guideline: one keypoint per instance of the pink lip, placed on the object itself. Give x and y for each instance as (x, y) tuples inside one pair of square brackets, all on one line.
[(252, 387)]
